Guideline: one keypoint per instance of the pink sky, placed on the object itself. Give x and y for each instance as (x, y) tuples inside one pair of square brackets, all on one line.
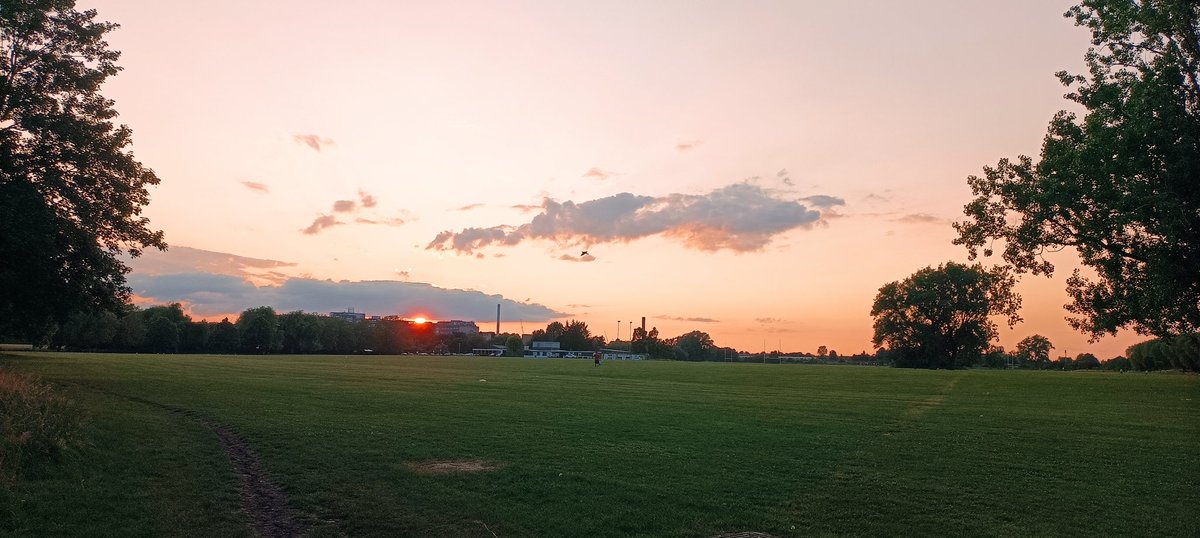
[(782, 160)]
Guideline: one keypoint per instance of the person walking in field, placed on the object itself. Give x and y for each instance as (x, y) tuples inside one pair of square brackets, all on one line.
[(596, 357)]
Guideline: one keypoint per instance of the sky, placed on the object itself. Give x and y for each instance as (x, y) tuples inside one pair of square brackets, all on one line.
[(755, 170)]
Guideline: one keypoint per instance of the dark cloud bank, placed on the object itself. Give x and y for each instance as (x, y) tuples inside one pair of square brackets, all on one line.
[(218, 283), (742, 217), (211, 294)]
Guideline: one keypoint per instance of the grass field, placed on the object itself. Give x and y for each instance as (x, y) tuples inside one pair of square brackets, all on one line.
[(630, 448)]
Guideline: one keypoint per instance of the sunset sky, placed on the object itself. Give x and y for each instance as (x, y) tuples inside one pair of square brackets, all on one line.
[(754, 170)]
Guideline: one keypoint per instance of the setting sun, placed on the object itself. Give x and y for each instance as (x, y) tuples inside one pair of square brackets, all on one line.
[(419, 320)]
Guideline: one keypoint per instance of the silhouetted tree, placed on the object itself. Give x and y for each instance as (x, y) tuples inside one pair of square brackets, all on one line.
[(696, 345), (258, 330), (70, 190), (1034, 351), (939, 318), (223, 338), (1119, 187)]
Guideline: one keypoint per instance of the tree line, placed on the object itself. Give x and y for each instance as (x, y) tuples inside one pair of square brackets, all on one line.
[(168, 329)]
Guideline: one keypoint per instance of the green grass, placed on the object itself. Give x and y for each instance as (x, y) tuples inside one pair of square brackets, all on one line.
[(630, 448)]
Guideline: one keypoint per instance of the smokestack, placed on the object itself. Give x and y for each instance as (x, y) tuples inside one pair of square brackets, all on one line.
[(643, 323), (497, 319)]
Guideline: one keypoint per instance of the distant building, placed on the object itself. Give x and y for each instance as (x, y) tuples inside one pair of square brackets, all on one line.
[(349, 315), (446, 328)]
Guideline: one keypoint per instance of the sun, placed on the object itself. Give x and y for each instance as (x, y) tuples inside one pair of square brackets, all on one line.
[(419, 321)]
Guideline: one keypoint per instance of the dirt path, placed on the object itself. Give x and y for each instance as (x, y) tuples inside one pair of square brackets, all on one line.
[(263, 502)]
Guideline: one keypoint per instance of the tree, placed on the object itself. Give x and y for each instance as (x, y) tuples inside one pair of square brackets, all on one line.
[(822, 351), (514, 347), (939, 318), (223, 338), (1118, 186), (258, 330), (1086, 361), (162, 335), (695, 345), (575, 336), (70, 191), (1035, 350)]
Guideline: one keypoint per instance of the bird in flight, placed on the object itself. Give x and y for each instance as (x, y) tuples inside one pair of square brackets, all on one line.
[(584, 253)]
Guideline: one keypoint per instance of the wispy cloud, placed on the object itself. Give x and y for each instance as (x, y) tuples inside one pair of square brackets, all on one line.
[(596, 173), (823, 201), (921, 218), (256, 187), (366, 199), (181, 259), (687, 145), (769, 321), (313, 141), (320, 223), (526, 208), (355, 209), (693, 320), (469, 207), (786, 178), (584, 258), (386, 221), (742, 217)]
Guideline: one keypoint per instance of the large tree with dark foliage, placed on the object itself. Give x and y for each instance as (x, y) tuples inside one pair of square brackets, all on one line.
[(940, 317), (70, 191), (1120, 186)]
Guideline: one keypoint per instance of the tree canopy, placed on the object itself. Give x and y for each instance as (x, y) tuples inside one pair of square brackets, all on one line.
[(940, 317), (70, 192), (1034, 349), (1119, 186)]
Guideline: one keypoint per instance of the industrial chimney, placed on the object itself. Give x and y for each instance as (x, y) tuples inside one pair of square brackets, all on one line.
[(497, 319)]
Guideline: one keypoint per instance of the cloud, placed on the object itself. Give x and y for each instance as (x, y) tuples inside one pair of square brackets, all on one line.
[(256, 187), (320, 223), (785, 178), (526, 208), (313, 141), (596, 173), (921, 218), (687, 145), (351, 207), (584, 258), (872, 197), (211, 294), (771, 320), (741, 217), (469, 207), (385, 222), (694, 320), (181, 259), (579, 306), (823, 201), (366, 199)]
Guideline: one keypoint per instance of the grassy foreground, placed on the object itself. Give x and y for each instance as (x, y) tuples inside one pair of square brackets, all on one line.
[(630, 448)]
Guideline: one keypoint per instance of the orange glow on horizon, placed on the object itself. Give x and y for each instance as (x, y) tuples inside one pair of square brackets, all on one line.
[(420, 320)]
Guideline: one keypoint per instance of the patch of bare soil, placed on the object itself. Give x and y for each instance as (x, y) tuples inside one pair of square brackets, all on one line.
[(262, 500), (451, 466)]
